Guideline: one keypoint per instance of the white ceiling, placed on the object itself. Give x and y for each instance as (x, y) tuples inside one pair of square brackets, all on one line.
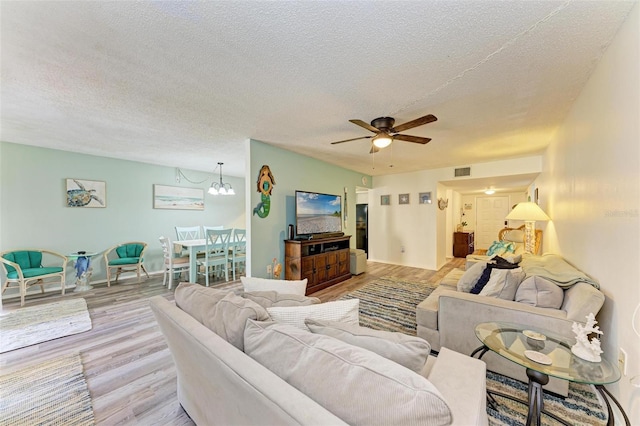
[(184, 84)]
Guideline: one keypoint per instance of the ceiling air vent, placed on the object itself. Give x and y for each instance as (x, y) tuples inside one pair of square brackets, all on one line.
[(463, 171)]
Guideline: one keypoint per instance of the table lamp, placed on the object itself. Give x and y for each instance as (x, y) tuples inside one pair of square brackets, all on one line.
[(528, 212)]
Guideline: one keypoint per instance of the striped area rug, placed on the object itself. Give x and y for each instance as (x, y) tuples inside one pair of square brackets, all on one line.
[(389, 303), (53, 392), (36, 324)]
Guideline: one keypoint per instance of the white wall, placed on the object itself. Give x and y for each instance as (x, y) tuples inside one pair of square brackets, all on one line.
[(423, 230), (591, 187)]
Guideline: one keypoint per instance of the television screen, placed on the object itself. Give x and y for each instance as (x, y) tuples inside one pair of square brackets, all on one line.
[(318, 213)]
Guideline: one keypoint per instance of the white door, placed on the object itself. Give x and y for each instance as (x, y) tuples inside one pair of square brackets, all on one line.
[(490, 217)]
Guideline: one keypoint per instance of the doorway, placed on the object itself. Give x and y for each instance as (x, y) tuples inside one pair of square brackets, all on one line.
[(362, 227), (490, 219)]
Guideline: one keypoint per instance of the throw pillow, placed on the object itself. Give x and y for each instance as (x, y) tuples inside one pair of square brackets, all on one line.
[(228, 318), (357, 385), (267, 299), (281, 286), (339, 310), (500, 248), (410, 351), (471, 276), (503, 283), (540, 292), (196, 300)]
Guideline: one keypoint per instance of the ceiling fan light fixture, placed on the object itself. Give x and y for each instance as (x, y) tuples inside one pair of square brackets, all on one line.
[(490, 191), (382, 140)]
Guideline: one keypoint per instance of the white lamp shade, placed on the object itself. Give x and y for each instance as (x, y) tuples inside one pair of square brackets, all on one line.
[(212, 190), (528, 211)]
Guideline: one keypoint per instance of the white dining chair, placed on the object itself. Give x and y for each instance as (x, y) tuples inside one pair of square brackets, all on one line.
[(172, 264), (238, 250), (217, 228), (188, 233), (216, 253)]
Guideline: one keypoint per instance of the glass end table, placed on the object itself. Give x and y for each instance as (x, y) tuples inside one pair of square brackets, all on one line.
[(543, 353)]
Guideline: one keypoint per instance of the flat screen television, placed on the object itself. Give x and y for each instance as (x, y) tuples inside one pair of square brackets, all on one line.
[(318, 213)]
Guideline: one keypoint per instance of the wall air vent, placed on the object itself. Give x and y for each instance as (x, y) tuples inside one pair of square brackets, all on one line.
[(463, 171)]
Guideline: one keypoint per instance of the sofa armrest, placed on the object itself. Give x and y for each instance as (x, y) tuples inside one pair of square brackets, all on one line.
[(459, 313), (462, 382)]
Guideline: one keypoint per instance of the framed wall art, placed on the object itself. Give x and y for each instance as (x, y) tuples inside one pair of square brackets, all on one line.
[(177, 198), (403, 198), (86, 193), (385, 200), (424, 198)]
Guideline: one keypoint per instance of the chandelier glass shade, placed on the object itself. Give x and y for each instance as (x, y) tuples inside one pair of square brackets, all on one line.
[(221, 188)]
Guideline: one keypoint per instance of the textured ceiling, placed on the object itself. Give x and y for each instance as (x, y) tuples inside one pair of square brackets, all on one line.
[(184, 84)]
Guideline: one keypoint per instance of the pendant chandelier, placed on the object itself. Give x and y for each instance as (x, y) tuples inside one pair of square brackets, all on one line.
[(221, 188)]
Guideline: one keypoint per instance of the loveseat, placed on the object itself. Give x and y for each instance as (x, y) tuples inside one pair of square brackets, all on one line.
[(218, 383), (447, 318)]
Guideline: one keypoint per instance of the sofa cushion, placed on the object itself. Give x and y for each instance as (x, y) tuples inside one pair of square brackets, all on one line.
[(471, 276), (503, 283), (228, 317), (357, 385), (540, 292), (281, 286), (409, 351), (196, 300), (339, 310), (267, 299)]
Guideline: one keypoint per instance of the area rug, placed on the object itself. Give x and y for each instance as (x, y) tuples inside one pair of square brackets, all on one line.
[(53, 392), (36, 324), (389, 303), (581, 406)]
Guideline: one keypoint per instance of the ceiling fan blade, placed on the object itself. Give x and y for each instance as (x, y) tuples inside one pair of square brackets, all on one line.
[(414, 139), (365, 125), (353, 139), (430, 118)]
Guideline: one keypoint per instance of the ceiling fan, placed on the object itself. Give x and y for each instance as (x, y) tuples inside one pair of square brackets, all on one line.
[(385, 132)]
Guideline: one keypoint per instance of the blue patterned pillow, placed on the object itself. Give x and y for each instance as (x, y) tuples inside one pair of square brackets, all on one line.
[(500, 248)]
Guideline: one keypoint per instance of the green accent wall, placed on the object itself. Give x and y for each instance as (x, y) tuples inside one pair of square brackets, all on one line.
[(291, 171), (33, 208)]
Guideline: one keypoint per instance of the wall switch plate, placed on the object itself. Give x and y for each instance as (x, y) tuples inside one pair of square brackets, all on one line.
[(622, 361), (268, 269)]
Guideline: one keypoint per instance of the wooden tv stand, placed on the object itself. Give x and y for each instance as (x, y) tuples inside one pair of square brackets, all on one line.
[(323, 262)]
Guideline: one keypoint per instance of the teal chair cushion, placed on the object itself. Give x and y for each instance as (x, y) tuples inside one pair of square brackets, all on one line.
[(26, 260), (124, 261), (34, 272), (129, 251)]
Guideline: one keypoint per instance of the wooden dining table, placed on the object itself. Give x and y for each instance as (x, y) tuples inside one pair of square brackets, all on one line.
[(194, 246)]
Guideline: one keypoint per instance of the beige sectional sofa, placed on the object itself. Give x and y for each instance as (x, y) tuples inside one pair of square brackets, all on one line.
[(447, 318), (308, 381)]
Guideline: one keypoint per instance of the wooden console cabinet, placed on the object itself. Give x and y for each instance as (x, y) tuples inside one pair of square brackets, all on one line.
[(463, 244), (323, 262)]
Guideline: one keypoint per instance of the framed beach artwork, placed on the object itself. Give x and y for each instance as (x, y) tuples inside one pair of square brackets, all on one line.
[(177, 198), (424, 198), (86, 193), (385, 200)]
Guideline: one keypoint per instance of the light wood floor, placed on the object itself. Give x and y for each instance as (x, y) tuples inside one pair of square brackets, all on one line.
[(129, 369)]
